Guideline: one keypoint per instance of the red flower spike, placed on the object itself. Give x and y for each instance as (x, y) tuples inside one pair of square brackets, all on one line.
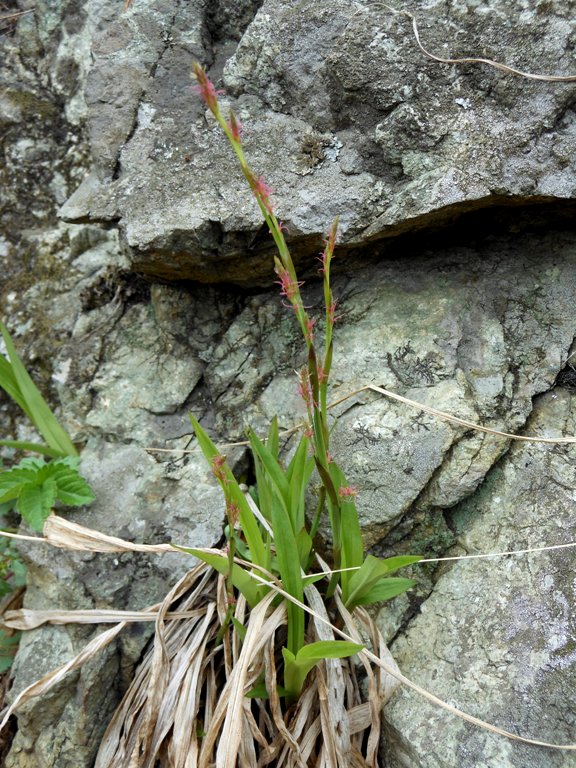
[(235, 127), (289, 286), (310, 322), (329, 245), (261, 191), (232, 512), (206, 88), (332, 316), (305, 390), (219, 469), (347, 492)]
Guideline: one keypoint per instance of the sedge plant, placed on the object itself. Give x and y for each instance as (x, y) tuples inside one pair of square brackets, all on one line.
[(270, 531)]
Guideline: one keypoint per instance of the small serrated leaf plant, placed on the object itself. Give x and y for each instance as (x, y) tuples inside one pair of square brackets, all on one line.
[(271, 531), (33, 485)]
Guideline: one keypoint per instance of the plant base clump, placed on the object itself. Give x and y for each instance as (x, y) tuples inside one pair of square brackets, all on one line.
[(190, 704)]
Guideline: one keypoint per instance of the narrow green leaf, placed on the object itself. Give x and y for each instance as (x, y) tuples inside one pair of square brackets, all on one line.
[(10, 385), (20, 445), (248, 522), (304, 543), (297, 667), (374, 569), (298, 476), (271, 466), (327, 649), (312, 578), (36, 407), (240, 628), (385, 589), (272, 442), (392, 564), (290, 573), (265, 494), (240, 578), (350, 535), (260, 691)]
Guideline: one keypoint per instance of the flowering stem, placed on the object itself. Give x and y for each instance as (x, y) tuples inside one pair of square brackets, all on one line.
[(313, 379)]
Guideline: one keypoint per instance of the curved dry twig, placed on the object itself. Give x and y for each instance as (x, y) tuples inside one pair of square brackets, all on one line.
[(473, 59)]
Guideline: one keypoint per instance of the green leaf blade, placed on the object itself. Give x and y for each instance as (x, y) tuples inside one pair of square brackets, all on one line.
[(33, 404), (241, 579), (386, 589), (36, 501)]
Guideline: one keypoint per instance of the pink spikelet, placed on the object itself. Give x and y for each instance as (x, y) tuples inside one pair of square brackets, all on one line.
[(331, 311), (219, 469), (288, 286), (235, 127), (347, 492), (261, 191), (309, 333), (206, 88), (305, 389)]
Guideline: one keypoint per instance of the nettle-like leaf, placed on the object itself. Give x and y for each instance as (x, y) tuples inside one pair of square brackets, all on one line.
[(33, 486)]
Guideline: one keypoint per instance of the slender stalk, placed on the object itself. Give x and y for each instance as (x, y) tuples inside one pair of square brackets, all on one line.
[(313, 380)]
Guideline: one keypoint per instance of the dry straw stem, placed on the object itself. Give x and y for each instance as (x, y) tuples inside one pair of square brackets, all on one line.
[(202, 688), (178, 673), (137, 726), (473, 60)]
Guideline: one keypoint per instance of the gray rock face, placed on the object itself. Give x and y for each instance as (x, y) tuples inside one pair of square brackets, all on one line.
[(469, 312), (495, 637), (333, 92)]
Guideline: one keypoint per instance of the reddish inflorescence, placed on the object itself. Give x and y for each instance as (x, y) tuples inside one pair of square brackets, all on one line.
[(206, 88), (305, 389), (235, 127), (261, 191), (219, 469), (347, 491), (288, 286)]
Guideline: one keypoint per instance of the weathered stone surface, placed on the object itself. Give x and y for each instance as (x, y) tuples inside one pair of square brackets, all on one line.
[(344, 115), (496, 637)]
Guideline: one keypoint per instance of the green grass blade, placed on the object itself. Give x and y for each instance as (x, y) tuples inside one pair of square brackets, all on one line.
[(386, 589), (10, 385), (265, 494), (20, 445), (290, 573), (240, 578), (298, 666), (350, 535), (298, 476), (272, 441), (373, 575), (249, 524), (36, 407), (271, 466)]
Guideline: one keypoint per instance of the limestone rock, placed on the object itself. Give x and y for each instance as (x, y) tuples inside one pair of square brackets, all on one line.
[(344, 115), (495, 638)]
